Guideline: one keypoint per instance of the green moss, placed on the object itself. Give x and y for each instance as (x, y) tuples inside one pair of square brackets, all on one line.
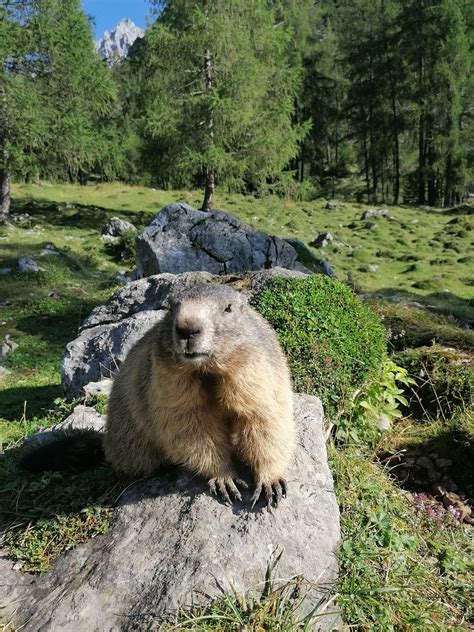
[(444, 381), (333, 342)]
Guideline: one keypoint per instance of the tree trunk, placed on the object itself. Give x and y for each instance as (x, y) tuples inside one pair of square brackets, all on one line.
[(4, 194), (210, 176), (421, 161), (208, 191), (366, 168), (396, 147)]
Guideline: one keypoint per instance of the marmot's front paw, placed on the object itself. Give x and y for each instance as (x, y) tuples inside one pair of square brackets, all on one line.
[(273, 492), (225, 485)]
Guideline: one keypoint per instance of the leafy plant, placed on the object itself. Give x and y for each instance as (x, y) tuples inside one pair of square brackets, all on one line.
[(374, 405)]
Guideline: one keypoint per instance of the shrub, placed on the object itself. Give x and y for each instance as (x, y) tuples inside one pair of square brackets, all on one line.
[(443, 381), (124, 249), (334, 343)]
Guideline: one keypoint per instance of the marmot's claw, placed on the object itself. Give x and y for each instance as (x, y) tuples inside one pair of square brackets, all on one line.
[(273, 492), (226, 486)]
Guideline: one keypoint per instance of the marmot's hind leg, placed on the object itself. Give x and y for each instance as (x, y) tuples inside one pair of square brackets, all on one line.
[(129, 451)]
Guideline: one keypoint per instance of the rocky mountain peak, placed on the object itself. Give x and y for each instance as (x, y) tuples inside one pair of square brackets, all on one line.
[(114, 44)]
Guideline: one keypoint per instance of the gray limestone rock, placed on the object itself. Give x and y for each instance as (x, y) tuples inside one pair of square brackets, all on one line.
[(172, 544), (115, 44), (103, 387), (115, 227), (111, 329), (181, 238), (371, 212), (316, 264), (28, 264), (7, 346), (99, 351), (322, 240), (81, 418)]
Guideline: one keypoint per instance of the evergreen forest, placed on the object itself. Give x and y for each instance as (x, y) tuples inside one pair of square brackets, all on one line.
[(370, 100)]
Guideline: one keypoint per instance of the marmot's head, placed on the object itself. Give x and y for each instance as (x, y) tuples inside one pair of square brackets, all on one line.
[(205, 322)]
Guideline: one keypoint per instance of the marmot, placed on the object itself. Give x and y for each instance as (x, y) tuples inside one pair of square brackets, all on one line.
[(207, 384)]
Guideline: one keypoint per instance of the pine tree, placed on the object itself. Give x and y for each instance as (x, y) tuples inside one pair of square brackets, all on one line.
[(219, 96)]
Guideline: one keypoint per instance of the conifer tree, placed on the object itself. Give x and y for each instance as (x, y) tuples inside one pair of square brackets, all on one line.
[(434, 40), (219, 98)]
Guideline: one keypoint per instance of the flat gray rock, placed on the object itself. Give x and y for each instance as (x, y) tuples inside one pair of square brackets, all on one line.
[(181, 238), (171, 543)]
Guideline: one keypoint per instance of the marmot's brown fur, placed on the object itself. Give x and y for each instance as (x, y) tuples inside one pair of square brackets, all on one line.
[(206, 384)]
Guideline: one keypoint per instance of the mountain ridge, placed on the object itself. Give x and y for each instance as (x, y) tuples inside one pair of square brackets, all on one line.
[(115, 44)]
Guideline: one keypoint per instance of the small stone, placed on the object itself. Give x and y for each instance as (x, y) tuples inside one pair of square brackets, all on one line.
[(28, 264), (383, 422), (103, 387), (330, 206), (322, 240), (5, 271), (371, 212), (443, 463), (370, 226), (425, 463), (4, 372), (373, 268), (448, 484), (116, 227), (17, 566), (7, 346), (53, 294)]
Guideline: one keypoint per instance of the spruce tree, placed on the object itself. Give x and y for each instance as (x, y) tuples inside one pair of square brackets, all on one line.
[(219, 96)]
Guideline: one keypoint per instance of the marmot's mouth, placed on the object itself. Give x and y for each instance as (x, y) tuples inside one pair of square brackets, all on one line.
[(194, 354)]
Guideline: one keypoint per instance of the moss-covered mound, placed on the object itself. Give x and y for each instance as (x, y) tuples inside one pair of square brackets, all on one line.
[(444, 381), (333, 342)]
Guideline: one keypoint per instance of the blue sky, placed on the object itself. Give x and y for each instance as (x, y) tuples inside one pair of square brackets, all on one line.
[(108, 12)]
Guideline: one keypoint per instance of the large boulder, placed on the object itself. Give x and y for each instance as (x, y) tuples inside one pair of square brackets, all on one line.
[(111, 329), (171, 544), (181, 238)]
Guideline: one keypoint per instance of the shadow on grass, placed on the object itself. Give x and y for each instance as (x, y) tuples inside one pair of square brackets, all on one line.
[(443, 303), (452, 448), (31, 401), (75, 215), (59, 327), (46, 514)]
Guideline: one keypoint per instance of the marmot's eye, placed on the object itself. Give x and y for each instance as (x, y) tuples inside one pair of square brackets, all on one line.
[(228, 308)]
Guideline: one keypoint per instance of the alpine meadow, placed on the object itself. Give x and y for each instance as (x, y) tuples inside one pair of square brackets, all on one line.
[(317, 156)]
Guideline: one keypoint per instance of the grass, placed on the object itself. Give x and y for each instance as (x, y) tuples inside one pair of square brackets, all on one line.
[(399, 570), (421, 252)]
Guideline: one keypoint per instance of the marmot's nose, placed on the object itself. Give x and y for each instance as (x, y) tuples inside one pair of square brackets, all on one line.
[(187, 330)]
